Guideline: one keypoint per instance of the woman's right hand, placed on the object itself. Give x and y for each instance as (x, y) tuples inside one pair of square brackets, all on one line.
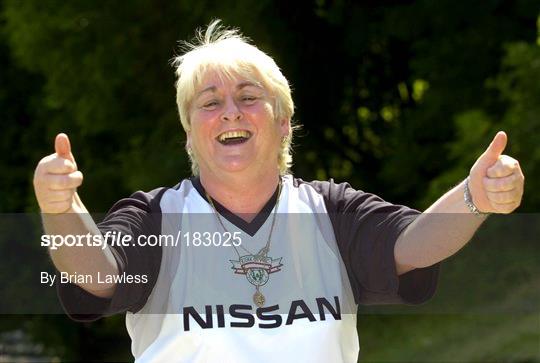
[(56, 179)]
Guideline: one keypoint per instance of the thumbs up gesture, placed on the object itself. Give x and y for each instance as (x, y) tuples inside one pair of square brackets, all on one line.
[(496, 180), (56, 178)]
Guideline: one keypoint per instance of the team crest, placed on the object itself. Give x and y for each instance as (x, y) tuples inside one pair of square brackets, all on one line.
[(257, 268)]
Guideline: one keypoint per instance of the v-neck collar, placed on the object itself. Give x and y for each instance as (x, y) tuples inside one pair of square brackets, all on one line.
[(250, 228)]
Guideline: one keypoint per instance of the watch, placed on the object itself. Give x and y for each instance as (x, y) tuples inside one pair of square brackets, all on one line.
[(469, 202)]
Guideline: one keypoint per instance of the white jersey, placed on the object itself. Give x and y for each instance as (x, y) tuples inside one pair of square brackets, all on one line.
[(197, 295)]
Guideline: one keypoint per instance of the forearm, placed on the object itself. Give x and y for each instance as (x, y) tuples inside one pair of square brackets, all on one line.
[(85, 259), (442, 230)]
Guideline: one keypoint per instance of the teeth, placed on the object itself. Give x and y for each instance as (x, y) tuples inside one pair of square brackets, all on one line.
[(233, 134)]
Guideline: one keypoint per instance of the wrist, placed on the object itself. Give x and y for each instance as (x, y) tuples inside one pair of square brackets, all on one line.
[(468, 199), (77, 205)]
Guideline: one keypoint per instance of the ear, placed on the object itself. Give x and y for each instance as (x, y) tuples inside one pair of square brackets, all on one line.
[(285, 127)]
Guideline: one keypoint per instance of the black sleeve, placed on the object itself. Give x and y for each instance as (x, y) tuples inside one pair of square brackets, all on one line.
[(134, 216), (366, 229)]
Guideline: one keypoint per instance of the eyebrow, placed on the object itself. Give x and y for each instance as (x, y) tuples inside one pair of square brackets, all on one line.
[(207, 89), (247, 84)]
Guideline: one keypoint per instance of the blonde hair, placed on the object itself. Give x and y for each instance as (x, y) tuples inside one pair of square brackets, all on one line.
[(229, 53)]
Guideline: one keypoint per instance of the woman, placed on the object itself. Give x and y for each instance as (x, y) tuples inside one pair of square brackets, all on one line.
[(265, 266)]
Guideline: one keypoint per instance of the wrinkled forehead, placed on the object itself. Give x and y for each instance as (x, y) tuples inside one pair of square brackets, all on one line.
[(220, 74)]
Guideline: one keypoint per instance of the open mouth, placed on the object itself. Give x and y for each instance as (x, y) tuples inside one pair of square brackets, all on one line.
[(234, 137)]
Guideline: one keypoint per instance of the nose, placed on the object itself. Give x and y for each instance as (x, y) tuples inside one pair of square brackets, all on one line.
[(231, 112)]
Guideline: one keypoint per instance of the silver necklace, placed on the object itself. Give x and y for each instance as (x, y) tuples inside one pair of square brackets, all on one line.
[(257, 267)]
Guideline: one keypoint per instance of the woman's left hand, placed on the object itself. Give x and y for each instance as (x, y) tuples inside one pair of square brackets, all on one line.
[(495, 180)]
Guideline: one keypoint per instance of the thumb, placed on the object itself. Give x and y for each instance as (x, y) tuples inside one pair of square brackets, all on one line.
[(495, 149), (62, 147)]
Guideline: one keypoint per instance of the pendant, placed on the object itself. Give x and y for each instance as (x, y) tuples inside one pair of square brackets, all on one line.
[(257, 269), (258, 298)]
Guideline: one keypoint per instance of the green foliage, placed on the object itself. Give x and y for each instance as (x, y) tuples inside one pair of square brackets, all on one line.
[(474, 129), (518, 86), (105, 89), (20, 105)]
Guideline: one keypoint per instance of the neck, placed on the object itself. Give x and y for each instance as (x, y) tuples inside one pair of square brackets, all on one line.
[(243, 196)]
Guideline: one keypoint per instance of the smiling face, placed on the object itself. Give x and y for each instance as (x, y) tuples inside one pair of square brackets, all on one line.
[(233, 128)]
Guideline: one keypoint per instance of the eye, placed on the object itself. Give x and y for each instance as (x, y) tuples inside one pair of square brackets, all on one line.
[(210, 105), (248, 100)]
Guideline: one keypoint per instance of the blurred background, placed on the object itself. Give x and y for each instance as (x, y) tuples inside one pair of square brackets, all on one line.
[(397, 97)]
